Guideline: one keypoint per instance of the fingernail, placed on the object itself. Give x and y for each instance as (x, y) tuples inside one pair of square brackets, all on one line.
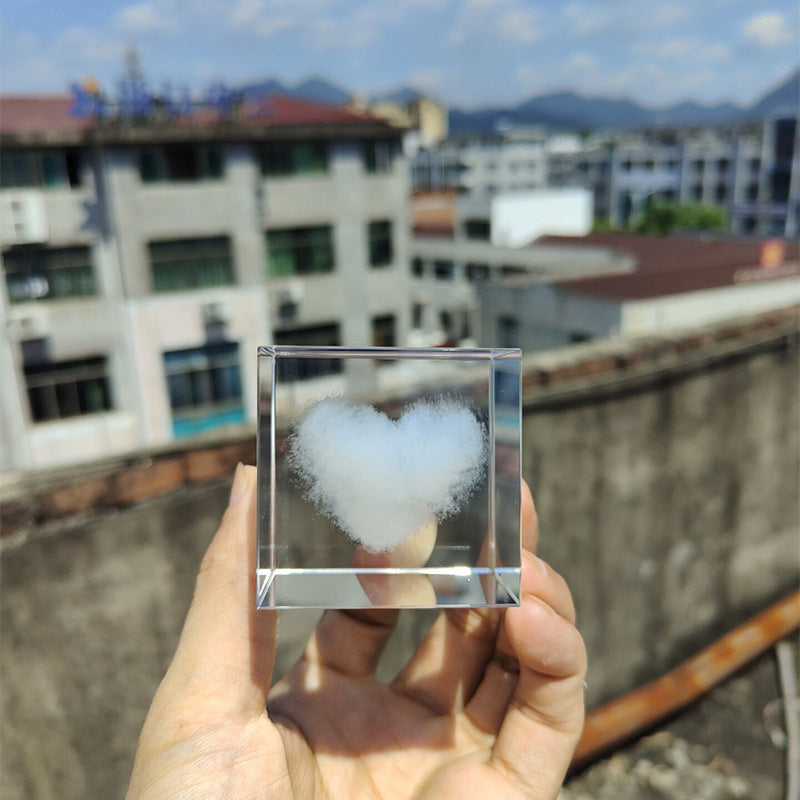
[(239, 485)]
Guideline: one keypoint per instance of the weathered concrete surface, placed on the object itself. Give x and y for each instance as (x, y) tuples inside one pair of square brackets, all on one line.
[(667, 493), (729, 746)]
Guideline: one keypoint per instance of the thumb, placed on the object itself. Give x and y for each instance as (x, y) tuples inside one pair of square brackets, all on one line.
[(227, 647)]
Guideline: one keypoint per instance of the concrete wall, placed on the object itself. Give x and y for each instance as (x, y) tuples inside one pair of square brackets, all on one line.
[(665, 474)]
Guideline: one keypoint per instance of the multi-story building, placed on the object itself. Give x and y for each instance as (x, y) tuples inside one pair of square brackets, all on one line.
[(676, 283), (751, 171), (145, 261), (515, 160), (462, 244)]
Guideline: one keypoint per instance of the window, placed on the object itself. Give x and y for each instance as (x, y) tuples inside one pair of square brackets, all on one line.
[(477, 272), (446, 321), (417, 315), (181, 264), (752, 192), (577, 337), (755, 164), (300, 251), (749, 225), (697, 192), (649, 165), (40, 169), (301, 369), (698, 165), (417, 267), (379, 235), (40, 273), (507, 332), (378, 156), (180, 162), (205, 387), (477, 229), (721, 193), (383, 331), (443, 270), (57, 390), (723, 165), (279, 159)]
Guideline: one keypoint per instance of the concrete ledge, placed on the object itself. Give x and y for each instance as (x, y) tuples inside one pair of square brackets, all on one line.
[(549, 379)]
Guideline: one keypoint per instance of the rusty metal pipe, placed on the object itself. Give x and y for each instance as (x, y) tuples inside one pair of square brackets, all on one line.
[(635, 712)]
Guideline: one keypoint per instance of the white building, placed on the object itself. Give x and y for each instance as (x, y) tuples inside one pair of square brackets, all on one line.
[(676, 283), (144, 263)]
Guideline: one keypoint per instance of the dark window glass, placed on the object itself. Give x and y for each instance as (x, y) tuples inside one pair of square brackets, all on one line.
[(293, 158), (752, 192), (326, 335), (507, 332), (181, 264), (383, 331), (300, 251), (204, 386), (378, 156), (180, 162), (477, 272), (36, 169), (74, 163), (443, 270), (417, 267), (43, 273), (68, 388), (721, 193), (784, 140), (417, 312), (477, 229), (379, 235)]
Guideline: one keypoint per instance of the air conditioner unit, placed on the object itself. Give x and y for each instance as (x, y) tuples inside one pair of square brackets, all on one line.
[(291, 294), (216, 314), (24, 218), (31, 326)]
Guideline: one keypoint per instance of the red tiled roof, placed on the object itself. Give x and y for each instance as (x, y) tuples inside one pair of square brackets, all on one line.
[(670, 265), (34, 114), (19, 115)]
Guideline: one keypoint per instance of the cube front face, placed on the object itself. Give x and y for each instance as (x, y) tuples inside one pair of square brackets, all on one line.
[(388, 478)]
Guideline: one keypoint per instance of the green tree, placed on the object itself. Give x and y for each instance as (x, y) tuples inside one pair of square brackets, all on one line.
[(661, 219)]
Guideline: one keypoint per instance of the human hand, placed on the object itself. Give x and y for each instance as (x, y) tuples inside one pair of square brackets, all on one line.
[(490, 705)]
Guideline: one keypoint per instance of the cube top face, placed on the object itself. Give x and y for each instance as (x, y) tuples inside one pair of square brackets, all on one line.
[(388, 477)]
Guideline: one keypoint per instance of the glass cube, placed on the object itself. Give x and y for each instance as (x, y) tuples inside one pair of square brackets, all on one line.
[(388, 477)]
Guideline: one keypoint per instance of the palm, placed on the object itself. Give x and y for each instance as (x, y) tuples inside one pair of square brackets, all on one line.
[(489, 705)]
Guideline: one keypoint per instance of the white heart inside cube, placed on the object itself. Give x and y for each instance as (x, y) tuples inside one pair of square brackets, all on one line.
[(381, 480)]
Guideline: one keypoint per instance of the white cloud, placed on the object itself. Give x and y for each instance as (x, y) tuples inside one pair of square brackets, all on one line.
[(254, 16), (715, 52), (144, 18), (479, 21), (430, 80), (581, 62), (767, 30), (516, 24), (665, 51)]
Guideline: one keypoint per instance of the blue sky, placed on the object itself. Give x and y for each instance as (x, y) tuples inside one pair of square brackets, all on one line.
[(468, 52)]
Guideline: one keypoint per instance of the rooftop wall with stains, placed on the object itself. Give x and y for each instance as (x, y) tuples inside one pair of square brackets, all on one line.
[(665, 472)]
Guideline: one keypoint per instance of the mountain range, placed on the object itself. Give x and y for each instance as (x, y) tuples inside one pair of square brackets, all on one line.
[(560, 110)]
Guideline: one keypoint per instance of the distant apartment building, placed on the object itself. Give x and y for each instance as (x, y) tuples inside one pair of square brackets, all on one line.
[(675, 283), (145, 261), (461, 244), (484, 165), (751, 171)]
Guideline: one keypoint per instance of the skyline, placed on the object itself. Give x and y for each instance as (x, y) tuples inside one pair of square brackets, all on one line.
[(468, 54)]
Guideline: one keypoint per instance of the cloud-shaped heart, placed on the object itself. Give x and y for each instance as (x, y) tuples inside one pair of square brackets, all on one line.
[(381, 480)]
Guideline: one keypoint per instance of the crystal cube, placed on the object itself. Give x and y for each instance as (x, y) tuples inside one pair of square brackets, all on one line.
[(388, 477)]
